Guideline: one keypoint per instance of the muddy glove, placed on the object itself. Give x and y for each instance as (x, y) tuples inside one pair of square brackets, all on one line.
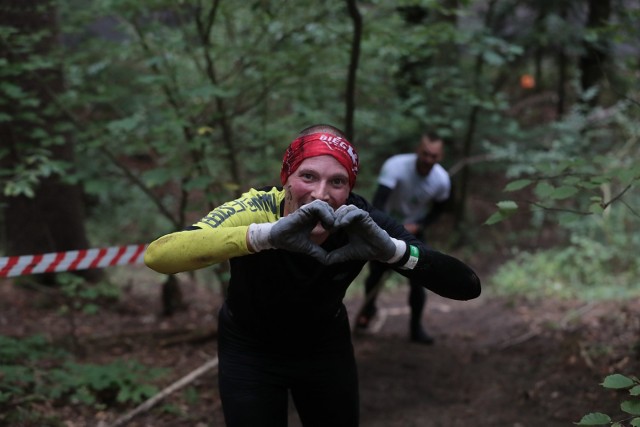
[(367, 241), (292, 232)]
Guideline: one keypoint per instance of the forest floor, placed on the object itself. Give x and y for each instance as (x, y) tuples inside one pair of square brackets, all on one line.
[(497, 361)]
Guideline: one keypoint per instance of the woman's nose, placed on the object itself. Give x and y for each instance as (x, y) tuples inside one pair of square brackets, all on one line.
[(320, 192)]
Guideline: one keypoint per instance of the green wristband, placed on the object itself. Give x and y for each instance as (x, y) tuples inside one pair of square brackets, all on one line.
[(414, 255)]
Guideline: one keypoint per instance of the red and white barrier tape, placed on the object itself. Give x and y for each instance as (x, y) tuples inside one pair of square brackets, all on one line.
[(82, 259)]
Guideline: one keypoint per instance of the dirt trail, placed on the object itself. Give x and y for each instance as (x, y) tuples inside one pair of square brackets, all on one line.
[(496, 362)]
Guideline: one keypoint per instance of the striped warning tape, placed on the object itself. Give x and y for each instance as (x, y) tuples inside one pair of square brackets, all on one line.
[(82, 259)]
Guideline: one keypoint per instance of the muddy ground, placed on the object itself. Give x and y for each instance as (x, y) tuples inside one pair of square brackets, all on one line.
[(497, 362)]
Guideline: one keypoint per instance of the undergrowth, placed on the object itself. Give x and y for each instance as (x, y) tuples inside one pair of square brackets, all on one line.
[(36, 375)]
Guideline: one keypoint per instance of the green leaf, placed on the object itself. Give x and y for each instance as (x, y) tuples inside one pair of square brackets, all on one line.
[(635, 422), (594, 419), (12, 91), (495, 218), (148, 79), (563, 192), (596, 208), (544, 189), (631, 407), (156, 177), (566, 218), (617, 381), (507, 206), (589, 185), (91, 309), (123, 395), (198, 183), (635, 391), (626, 175), (598, 180), (517, 185), (125, 125), (493, 58)]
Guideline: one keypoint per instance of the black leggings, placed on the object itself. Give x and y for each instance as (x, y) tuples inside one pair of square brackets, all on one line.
[(255, 384)]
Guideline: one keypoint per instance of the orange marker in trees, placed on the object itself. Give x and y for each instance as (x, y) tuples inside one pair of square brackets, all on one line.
[(527, 81)]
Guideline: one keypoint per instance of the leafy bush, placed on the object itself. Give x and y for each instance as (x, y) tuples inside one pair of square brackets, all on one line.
[(587, 269), (81, 296), (32, 371), (580, 178), (631, 406)]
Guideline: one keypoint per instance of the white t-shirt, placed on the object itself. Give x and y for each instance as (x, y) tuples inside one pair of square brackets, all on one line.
[(412, 193)]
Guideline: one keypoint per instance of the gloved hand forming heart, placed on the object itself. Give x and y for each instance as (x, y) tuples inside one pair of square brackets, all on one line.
[(293, 231), (367, 241)]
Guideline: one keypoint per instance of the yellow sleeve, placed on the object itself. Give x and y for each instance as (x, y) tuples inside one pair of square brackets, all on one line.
[(215, 238)]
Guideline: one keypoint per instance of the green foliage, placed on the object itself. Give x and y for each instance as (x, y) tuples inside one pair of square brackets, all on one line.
[(28, 350), (202, 103), (630, 407), (599, 261), (23, 111), (33, 371), (580, 166), (174, 108), (24, 177), (82, 296), (582, 177)]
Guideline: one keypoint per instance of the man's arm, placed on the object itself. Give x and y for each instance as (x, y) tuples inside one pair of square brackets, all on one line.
[(381, 196), (437, 208)]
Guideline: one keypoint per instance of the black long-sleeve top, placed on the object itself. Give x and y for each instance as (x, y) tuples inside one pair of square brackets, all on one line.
[(278, 296)]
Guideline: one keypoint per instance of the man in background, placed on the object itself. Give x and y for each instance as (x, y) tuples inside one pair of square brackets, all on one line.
[(413, 189)]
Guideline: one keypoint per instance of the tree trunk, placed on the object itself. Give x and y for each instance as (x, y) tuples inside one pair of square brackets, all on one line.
[(462, 183), (353, 68), (53, 219), (594, 58), (562, 70)]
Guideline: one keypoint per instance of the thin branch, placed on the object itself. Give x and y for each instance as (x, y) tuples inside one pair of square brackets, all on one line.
[(169, 92), (606, 205), (630, 208), (145, 189), (547, 208), (457, 167), (204, 32), (145, 406)]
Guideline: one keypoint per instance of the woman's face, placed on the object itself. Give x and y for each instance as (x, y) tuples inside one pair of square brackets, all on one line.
[(317, 178)]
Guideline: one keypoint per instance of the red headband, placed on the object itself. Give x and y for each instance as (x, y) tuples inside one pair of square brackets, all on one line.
[(318, 144)]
